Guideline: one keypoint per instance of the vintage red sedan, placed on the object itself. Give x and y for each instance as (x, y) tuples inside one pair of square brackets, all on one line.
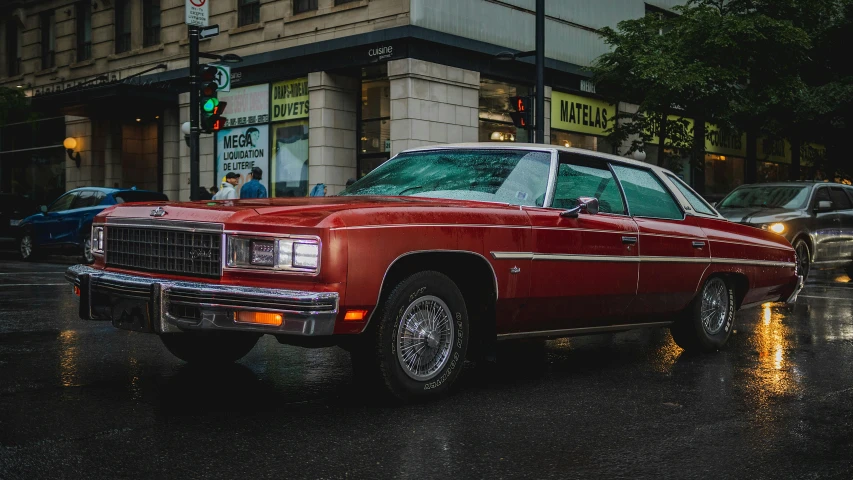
[(431, 258)]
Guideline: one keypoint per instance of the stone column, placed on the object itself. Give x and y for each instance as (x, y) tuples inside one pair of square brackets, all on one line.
[(331, 130), (91, 170), (112, 153), (172, 140), (432, 104)]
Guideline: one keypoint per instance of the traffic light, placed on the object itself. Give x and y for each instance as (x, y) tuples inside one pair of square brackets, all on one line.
[(211, 119), (521, 117)]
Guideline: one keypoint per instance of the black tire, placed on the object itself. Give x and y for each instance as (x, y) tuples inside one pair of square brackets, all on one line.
[(27, 247), (692, 333), (804, 258), (212, 348), (380, 358), (86, 255)]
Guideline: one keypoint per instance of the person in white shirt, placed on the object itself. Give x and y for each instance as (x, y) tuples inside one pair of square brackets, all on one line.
[(228, 190)]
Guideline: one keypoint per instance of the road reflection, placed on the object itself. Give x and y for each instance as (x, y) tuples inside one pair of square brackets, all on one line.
[(773, 341), (68, 354)]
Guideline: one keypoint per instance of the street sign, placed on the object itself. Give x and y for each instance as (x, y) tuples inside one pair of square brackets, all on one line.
[(208, 32), (196, 12), (223, 78)]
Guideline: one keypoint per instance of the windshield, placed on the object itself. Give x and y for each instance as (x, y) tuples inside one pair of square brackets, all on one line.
[(517, 177), (788, 197), (139, 196)]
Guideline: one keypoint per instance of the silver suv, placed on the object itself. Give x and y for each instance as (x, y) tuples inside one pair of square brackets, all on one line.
[(816, 217)]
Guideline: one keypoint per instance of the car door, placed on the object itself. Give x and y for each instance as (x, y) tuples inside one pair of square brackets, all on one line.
[(843, 206), (584, 269), (826, 228), (48, 228), (673, 248), (84, 209)]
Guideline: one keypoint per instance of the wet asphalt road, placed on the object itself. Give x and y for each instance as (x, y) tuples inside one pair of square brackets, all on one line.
[(84, 400)]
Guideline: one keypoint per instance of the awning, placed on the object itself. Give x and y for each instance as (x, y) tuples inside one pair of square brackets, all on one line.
[(111, 101)]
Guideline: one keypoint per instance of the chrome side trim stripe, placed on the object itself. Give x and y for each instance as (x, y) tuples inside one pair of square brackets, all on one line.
[(580, 331), (640, 259)]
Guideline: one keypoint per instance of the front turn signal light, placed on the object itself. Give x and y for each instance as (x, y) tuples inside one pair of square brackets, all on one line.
[(259, 318), (355, 315), (777, 228)]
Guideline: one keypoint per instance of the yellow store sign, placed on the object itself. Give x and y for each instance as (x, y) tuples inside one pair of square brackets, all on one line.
[(289, 99), (673, 122), (573, 113), (723, 142)]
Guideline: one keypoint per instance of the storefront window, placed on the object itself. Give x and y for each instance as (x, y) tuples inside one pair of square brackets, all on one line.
[(495, 122), (374, 129), (722, 174), (578, 140), (772, 172), (290, 159)]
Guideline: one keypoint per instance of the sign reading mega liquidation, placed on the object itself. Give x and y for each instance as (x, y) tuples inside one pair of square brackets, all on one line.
[(240, 149), (290, 99), (247, 105), (574, 113)]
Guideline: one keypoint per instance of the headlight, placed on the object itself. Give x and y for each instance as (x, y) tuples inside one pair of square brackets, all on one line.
[(777, 228), (98, 240), (291, 254)]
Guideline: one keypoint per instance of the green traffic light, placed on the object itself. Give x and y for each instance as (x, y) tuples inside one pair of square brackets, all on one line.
[(210, 105)]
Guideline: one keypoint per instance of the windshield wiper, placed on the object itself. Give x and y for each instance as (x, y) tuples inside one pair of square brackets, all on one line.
[(410, 188)]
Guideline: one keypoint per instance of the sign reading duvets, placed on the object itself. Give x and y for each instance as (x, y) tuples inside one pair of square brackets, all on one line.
[(289, 99), (240, 149)]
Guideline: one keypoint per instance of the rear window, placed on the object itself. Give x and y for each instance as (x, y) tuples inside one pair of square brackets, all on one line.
[(137, 196)]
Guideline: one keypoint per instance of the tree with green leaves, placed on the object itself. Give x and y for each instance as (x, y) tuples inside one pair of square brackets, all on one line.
[(736, 63)]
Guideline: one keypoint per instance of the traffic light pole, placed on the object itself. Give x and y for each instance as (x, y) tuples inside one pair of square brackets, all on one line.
[(194, 114), (539, 123)]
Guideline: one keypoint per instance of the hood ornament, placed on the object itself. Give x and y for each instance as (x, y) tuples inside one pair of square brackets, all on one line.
[(158, 212)]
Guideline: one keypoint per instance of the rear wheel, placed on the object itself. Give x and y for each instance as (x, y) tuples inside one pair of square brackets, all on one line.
[(804, 259), (210, 347), (87, 255), (707, 322), (418, 346)]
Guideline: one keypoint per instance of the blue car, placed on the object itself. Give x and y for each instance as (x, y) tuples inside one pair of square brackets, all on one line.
[(65, 225)]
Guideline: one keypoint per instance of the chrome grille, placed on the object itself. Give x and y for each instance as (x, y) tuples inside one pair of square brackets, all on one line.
[(177, 252)]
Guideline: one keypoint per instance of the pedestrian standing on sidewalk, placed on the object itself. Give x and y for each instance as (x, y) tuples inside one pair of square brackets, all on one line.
[(228, 192), (254, 188)]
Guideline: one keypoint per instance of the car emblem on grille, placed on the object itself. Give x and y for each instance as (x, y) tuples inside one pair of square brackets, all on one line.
[(158, 212), (200, 254)]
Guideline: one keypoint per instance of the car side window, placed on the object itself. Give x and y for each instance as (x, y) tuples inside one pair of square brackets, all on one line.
[(822, 195), (578, 176), (83, 200), (692, 197), (63, 203), (647, 196), (840, 200)]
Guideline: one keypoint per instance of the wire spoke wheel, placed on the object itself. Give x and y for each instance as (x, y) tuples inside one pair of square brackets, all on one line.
[(26, 246), (715, 306), (425, 338)]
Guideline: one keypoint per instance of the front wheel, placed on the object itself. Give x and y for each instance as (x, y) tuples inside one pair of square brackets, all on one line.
[(804, 259), (707, 322), (418, 346), (214, 348), (87, 256), (26, 247)]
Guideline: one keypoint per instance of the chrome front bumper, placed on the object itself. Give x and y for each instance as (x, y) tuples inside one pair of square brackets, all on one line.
[(800, 284), (158, 305)]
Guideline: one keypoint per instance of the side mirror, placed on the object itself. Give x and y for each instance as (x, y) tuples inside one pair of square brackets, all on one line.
[(588, 205), (824, 206), (43, 209)]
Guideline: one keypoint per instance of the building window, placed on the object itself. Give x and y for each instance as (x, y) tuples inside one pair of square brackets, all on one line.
[(84, 31), (150, 22), (48, 40), (122, 24), (13, 48), (374, 126), (341, 2), (301, 6), (495, 122), (248, 12)]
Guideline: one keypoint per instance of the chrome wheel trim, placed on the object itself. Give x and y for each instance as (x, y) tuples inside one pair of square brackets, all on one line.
[(87, 250), (425, 338), (803, 260), (26, 246), (715, 306)]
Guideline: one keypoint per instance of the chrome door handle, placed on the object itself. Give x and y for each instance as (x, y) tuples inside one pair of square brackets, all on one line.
[(629, 240), (698, 244)]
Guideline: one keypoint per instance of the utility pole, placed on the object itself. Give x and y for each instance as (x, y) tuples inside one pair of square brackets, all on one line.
[(194, 113), (539, 123)]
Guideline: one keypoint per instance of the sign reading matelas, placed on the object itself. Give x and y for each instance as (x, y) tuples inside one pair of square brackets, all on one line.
[(289, 99), (240, 149), (574, 113)]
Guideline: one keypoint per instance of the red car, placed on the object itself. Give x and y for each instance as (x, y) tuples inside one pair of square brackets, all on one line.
[(431, 258)]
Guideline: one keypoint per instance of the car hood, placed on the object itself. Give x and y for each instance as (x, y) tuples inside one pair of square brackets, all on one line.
[(758, 215), (298, 211)]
